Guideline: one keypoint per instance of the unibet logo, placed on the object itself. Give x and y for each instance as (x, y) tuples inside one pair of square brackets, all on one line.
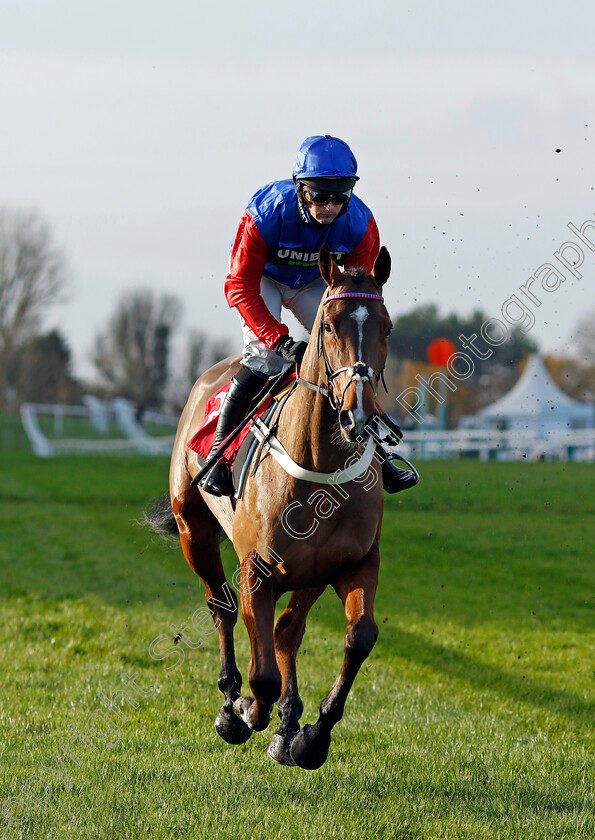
[(305, 259)]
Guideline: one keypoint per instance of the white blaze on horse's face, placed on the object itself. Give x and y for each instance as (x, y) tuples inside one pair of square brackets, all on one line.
[(360, 316)]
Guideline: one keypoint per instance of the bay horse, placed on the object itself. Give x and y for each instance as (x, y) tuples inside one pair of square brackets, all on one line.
[(282, 529)]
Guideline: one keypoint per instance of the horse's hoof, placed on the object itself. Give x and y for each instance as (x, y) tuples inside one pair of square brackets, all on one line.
[(231, 728), (279, 750), (309, 749)]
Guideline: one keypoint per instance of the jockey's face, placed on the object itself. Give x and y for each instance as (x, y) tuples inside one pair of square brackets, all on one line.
[(324, 213)]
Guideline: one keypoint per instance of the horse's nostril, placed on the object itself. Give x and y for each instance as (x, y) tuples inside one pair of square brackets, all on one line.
[(346, 420)]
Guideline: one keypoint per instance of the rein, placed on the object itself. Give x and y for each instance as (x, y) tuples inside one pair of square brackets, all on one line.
[(358, 372)]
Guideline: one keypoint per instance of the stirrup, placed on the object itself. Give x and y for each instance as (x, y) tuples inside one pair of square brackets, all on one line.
[(218, 481), (395, 479), (388, 435)]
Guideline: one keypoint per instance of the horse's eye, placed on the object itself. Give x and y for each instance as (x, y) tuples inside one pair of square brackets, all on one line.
[(327, 327), (389, 330)]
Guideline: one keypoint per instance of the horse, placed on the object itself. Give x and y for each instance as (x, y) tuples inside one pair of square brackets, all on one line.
[(282, 529)]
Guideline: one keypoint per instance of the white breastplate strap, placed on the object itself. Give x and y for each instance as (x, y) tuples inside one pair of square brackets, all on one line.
[(262, 432)]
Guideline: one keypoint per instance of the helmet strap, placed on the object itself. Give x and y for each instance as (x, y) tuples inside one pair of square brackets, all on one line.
[(304, 215)]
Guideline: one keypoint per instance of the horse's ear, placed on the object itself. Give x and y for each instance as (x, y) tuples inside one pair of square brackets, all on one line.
[(381, 270), (329, 270)]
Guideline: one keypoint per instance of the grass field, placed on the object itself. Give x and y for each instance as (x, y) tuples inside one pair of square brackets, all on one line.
[(473, 717)]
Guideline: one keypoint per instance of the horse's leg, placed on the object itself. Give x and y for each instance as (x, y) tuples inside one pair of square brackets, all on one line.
[(357, 588), (289, 633), (199, 535), (258, 596)]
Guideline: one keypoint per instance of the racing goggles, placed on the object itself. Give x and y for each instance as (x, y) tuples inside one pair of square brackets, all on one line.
[(319, 197)]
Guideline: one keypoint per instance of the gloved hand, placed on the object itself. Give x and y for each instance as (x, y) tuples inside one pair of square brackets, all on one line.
[(389, 432), (385, 420), (290, 350)]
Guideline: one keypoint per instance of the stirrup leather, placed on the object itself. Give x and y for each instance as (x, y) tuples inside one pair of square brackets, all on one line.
[(387, 436)]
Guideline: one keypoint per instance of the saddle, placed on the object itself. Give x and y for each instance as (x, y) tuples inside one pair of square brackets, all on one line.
[(241, 450)]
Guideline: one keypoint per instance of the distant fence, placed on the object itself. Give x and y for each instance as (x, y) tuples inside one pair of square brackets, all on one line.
[(487, 444), (100, 414)]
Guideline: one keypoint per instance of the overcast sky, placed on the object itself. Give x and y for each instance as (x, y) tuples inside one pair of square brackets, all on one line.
[(141, 129)]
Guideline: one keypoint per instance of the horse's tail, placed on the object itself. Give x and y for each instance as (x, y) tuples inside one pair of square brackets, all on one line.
[(159, 516)]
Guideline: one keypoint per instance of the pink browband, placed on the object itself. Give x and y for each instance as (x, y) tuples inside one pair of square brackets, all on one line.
[(353, 295)]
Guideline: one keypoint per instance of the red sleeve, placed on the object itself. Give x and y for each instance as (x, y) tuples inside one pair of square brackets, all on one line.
[(242, 287), (365, 252)]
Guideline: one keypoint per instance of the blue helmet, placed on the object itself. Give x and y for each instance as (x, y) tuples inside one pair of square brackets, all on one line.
[(326, 157)]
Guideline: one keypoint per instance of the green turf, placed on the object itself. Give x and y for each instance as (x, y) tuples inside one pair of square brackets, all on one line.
[(471, 719), (74, 427), (12, 434)]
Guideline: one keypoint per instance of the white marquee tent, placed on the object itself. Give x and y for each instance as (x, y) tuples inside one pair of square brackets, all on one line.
[(536, 405)]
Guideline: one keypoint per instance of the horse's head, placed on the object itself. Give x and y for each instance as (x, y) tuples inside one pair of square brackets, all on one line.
[(353, 338)]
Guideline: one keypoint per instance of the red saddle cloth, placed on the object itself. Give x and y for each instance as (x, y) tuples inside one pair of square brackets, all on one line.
[(202, 441)]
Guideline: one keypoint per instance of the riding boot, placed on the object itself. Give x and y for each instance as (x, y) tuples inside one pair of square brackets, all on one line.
[(244, 386)]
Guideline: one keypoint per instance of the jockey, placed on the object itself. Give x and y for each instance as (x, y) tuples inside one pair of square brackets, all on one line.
[(274, 264)]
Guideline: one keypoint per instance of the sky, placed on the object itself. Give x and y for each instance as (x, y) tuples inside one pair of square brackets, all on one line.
[(140, 130)]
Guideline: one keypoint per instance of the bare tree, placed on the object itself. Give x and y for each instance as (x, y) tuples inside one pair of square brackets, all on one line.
[(203, 352), (32, 277), (132, 354), (45, 370), (199, 352)]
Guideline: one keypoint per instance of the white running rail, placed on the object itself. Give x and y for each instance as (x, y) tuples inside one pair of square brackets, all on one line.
[(99, 413), (485, 444)]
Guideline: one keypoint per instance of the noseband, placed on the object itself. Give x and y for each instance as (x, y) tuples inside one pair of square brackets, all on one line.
[(358, 372)]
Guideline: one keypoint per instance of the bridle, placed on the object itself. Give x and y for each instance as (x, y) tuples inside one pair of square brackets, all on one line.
[(358, 372)]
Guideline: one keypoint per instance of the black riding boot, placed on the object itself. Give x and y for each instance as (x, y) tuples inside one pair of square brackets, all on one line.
[(243, 388)]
